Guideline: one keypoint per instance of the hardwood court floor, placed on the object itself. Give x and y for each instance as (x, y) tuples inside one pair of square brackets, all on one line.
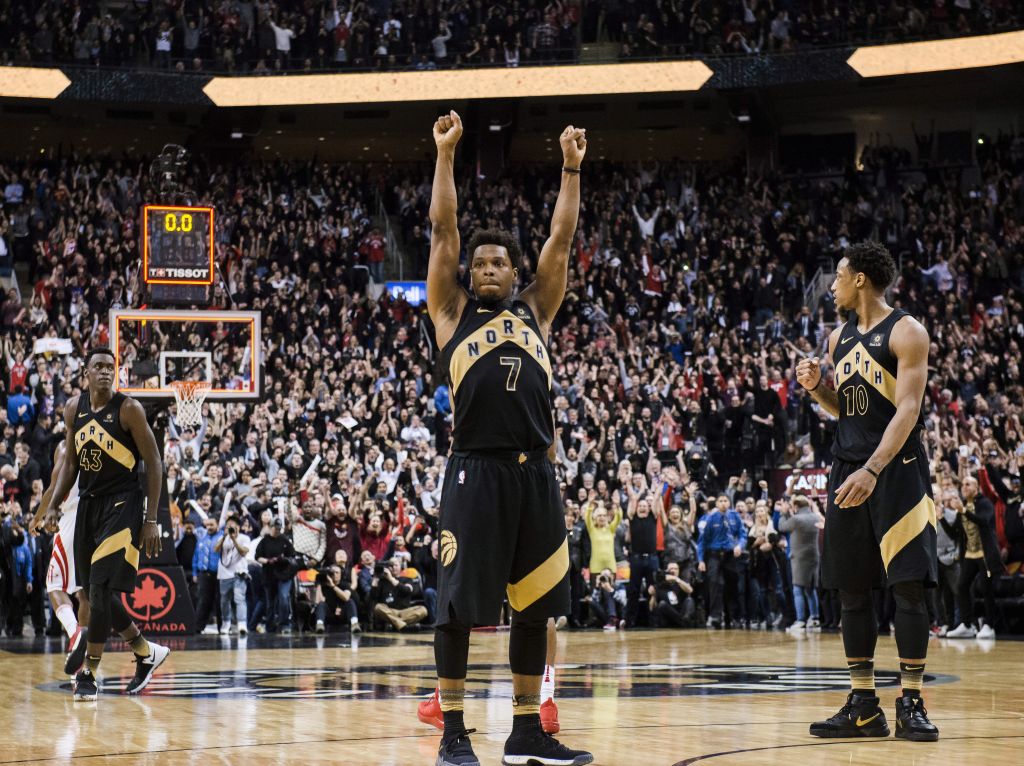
[(654, 698)]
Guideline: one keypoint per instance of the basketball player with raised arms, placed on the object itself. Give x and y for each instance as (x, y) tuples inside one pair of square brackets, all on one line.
[(880, 518), (107, 435), (502, 531)]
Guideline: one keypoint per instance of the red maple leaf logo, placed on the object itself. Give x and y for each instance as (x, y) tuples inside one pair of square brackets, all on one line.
[(148, 596)]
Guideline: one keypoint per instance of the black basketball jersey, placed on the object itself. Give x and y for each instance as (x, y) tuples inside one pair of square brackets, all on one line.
[(500, 380), (866, 383), (107, 456)]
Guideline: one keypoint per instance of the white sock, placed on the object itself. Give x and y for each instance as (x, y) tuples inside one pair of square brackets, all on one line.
[(547, 684), (67, 618), (353, 620)]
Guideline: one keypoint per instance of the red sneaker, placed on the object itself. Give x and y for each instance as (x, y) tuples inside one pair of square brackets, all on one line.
[(429, 712), (549, 717)]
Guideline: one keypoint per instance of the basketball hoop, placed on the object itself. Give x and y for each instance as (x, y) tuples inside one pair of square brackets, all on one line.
[(189, 395)]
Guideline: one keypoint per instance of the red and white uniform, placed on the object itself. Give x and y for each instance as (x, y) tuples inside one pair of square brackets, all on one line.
[(60, 575)]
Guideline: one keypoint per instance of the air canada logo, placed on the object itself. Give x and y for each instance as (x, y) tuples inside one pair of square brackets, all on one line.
[(574, 681), (152, 598)]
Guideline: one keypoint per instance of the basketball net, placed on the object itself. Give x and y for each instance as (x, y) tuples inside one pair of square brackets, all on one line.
[(189, 395)]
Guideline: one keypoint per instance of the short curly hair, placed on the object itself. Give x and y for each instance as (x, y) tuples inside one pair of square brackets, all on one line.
[(874, 261), (495, 237)]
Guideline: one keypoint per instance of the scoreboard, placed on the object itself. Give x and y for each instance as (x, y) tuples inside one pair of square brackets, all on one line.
[(177, 245)]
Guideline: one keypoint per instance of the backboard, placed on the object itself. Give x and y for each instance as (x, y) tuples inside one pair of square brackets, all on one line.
[(155, 347)]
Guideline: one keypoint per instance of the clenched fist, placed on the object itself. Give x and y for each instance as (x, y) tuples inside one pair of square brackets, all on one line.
[(574, 146), (808, 372), (448, 130)]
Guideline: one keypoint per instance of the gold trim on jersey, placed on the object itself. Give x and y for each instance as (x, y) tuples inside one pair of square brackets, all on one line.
[(506, 327), (94, 432), (117, 542), (907, 528), (540, 580), (858, 361)]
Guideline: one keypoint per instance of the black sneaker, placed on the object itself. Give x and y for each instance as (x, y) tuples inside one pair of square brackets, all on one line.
[(457, 751), (532, 747), (85, 686), (912, 721), (859, 717), (145, 667), (76, 652)]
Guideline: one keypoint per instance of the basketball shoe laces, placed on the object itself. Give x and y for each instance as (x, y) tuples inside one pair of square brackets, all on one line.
[(460, 744), (918, 711), (142, 665), (845, 712)]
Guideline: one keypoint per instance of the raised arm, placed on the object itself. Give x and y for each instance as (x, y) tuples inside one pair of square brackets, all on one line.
[(445, 298), (545, 295), (809, 375), (133, 418), (909, 343)]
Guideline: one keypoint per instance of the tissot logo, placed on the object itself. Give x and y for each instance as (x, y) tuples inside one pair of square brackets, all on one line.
[(152, 598), (165, 273), (574, 681)]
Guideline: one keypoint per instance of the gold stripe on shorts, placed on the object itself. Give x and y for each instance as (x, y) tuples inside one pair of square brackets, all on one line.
[(540, 580), (120, 541), (907, 528)]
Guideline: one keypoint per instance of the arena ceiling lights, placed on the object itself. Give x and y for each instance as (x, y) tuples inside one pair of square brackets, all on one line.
[(447, 85), (938, 55), (30, 82)]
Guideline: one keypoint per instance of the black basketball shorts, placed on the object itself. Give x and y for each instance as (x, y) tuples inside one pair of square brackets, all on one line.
[(107, 539), (502, 533), (888, 539)]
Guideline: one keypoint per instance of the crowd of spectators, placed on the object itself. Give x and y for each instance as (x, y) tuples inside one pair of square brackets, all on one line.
[(674, 395), (264, 37)]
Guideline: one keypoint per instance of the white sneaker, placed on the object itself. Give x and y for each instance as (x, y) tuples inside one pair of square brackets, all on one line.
[(243, 629), (962, 631), (814, 625), (561, 622), (986, 632), (943, 631), (210, 630), (796, 627), (225, 629), (145, 667)]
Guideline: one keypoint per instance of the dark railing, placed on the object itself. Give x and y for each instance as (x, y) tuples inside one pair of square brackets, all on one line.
[(601, 52)]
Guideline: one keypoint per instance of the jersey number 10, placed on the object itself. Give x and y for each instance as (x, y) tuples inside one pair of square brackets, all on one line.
[(856, 400)]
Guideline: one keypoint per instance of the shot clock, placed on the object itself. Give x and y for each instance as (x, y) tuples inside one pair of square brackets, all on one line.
[(177, 246)]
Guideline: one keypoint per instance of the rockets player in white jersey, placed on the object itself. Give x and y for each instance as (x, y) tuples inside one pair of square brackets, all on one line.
[(61, 582)]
